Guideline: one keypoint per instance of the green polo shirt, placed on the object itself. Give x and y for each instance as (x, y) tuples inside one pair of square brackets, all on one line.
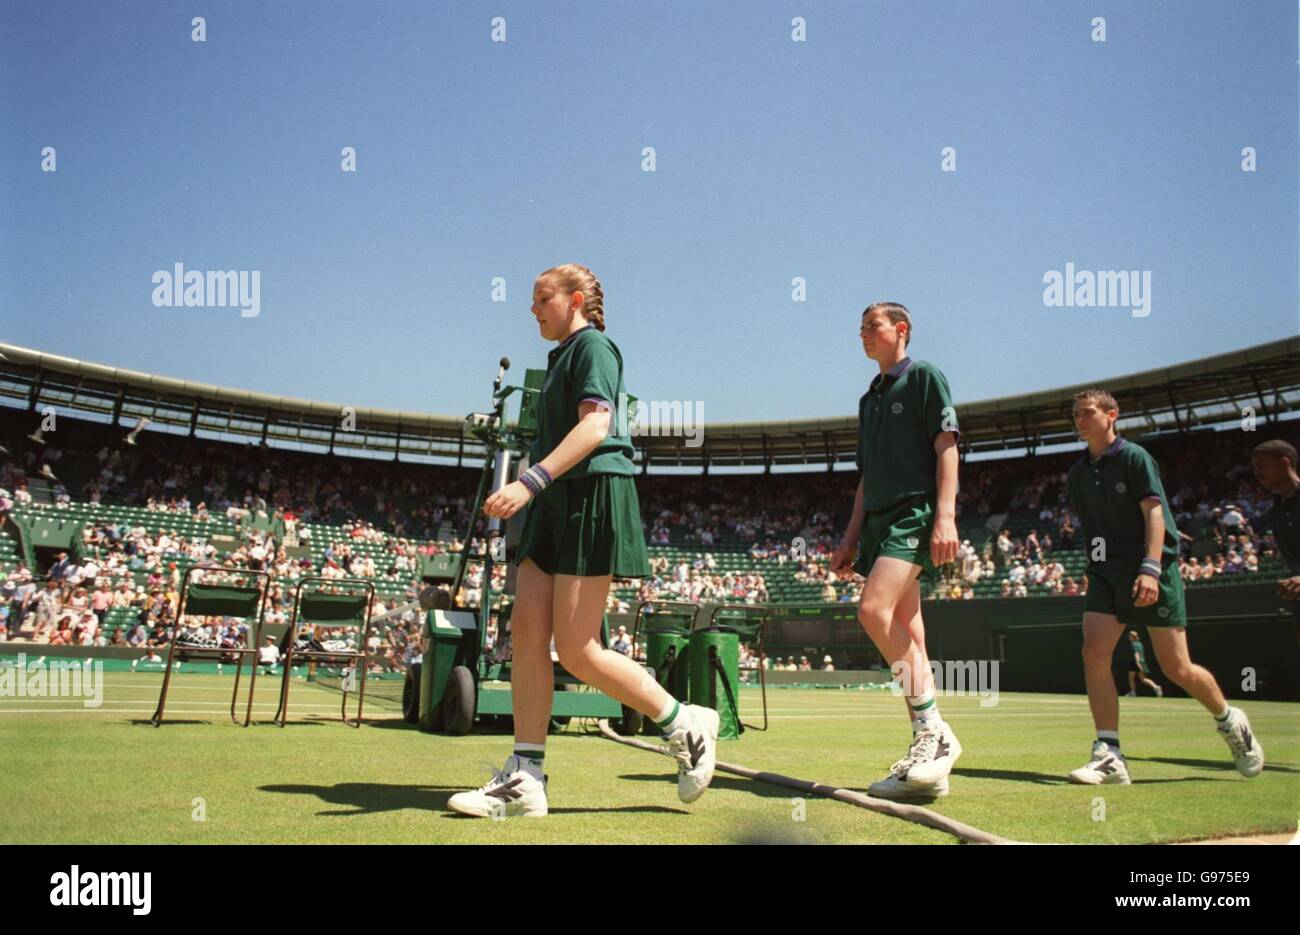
[(1139, 653), (1108, 493), (1283, 517), (586, 365), (898, 419)]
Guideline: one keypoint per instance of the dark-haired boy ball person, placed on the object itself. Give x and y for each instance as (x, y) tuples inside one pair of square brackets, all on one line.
[(1275, 469), (1132, 546), (904, 524)]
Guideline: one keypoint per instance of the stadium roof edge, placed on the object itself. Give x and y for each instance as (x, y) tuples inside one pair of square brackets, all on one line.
[(171, 386), (1180, 397), (1146, 379)]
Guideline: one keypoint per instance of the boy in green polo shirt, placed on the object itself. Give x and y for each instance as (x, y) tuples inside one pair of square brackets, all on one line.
[(1275, 469), (904, 524), (1132, 546), (582, 528)]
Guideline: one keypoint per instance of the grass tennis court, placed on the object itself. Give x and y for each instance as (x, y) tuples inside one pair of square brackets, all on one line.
[(105, 775)]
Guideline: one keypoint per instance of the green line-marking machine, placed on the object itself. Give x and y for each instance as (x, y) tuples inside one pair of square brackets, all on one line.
[(460, 680)]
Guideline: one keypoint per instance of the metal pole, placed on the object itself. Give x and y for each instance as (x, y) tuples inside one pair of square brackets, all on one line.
[(500, 477)]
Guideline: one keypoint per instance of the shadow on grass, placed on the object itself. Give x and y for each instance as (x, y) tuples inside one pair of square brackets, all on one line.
[(395, 723), (1014, 775), (1045, 779), (651, 809), (217, 721), (1216, 765), (369, 798), (177, 722), (482, 726), (755, 786)]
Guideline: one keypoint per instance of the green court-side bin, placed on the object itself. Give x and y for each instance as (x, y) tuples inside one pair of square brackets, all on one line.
[(441, 643), (714, 660), (666, 653)]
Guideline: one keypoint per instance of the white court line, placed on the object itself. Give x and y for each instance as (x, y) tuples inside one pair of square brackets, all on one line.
[(181, 706), (51, 702), (226, 711), (110, 689), (183, 690), (119, 689), (838, 704)]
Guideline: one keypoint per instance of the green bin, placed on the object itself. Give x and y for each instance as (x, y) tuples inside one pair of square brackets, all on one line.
[(666, 654), (714, 660)]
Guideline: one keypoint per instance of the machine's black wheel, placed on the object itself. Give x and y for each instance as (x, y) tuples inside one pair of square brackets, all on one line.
[(411, 695), (629, 725), (458, 702)]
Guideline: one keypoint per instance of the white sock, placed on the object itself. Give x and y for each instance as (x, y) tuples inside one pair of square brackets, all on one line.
[(524, 759), (681, 720), (928, 716), (1221, 720)]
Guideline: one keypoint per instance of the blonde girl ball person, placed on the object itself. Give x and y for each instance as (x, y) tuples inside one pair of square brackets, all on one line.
[(581, 529)]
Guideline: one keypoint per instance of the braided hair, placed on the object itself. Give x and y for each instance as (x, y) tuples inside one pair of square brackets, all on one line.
[(574, 277)]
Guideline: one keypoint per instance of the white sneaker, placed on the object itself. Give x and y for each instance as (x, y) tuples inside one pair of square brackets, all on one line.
[(695, 748), (510, 791), (1160, 692), (897, 785), (1246, 751), (1106, 768), (933, 754)]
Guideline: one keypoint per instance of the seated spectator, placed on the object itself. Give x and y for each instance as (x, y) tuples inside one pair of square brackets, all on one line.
[(1231, 521), (268, 655), (622, 643)]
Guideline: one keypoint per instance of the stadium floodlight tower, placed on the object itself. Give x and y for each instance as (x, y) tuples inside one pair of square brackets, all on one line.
[(459, 681)]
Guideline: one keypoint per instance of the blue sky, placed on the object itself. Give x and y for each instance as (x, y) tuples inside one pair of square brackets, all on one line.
[(775, 159)]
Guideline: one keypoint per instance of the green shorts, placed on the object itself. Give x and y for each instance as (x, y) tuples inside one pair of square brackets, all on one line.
[(1132, 665), (902, 531), (1110, 591), (590, 526)]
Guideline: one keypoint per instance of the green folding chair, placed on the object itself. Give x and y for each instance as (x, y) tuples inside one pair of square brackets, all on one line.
[(223, 599), (330, 608)]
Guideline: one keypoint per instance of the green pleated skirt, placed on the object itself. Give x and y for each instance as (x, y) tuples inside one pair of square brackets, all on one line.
[(590, 526)]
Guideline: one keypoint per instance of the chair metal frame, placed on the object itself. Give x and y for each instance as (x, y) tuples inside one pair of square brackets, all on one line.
[(358, 656), (255, 633)]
